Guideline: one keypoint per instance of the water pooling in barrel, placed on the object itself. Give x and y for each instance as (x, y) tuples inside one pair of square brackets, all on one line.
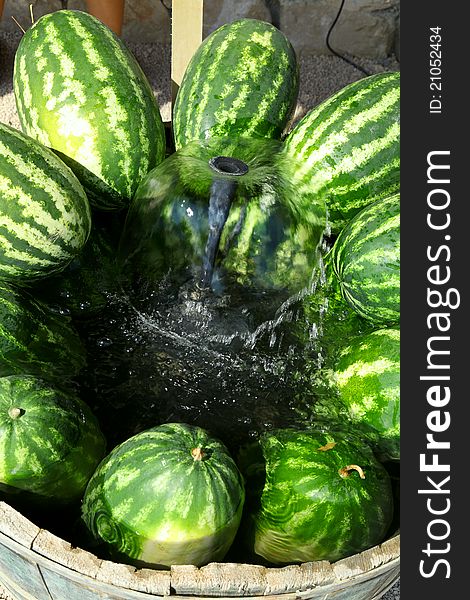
[(214, 259)]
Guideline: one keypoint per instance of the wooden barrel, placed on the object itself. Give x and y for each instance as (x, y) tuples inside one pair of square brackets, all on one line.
[(37, 565)]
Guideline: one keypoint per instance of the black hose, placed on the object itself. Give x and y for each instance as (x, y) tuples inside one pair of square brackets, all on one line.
[(328, 45), (223, 191)]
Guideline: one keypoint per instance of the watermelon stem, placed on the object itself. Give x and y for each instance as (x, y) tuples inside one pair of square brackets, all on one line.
[(344, 472), (327, 446), (16, 412), (198, 453)]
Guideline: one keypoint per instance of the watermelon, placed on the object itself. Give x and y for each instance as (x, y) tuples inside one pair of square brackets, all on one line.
[(50, 442), (366, 261), (35, 340), (243, 80), (80, 91), (265, 242), (45, 216), (367, 378), (348, 148), (168, 495), (313, 495)]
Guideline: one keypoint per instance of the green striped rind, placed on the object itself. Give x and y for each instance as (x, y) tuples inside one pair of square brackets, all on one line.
[(266, 243), (299, 507), (152, 502), (53, 444), (34, 340), (44, 213), (367, 376), (242, 81), (366, 261), (80, 91), (348, 147)]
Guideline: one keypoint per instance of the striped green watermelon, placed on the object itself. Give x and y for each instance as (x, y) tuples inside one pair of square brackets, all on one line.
[(44, 213), (366, 261), (367, 377), (80, 91), (266, 243), (34, 340), (50, 442), (347, 148), (243, 80), (168, 495), (314, 495)]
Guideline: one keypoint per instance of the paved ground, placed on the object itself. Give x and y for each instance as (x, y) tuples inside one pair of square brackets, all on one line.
[(320, 76)]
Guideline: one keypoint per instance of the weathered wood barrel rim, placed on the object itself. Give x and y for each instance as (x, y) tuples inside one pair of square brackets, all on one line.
[(37, 565)]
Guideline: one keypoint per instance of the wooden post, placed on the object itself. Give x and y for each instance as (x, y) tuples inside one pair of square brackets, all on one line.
[(186, 36)]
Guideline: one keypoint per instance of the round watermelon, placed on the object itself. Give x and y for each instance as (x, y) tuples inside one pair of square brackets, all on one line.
[(314, 495), (168, 495), (366, 261), (80, 91), (50, 442), (367, 378)]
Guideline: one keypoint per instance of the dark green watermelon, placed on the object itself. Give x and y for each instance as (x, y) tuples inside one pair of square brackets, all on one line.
[(347, 148), (50, 442), (265, 242), (313, 495), (45, 214)]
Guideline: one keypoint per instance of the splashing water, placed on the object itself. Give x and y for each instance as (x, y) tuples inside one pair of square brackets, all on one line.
[(209, 326)]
